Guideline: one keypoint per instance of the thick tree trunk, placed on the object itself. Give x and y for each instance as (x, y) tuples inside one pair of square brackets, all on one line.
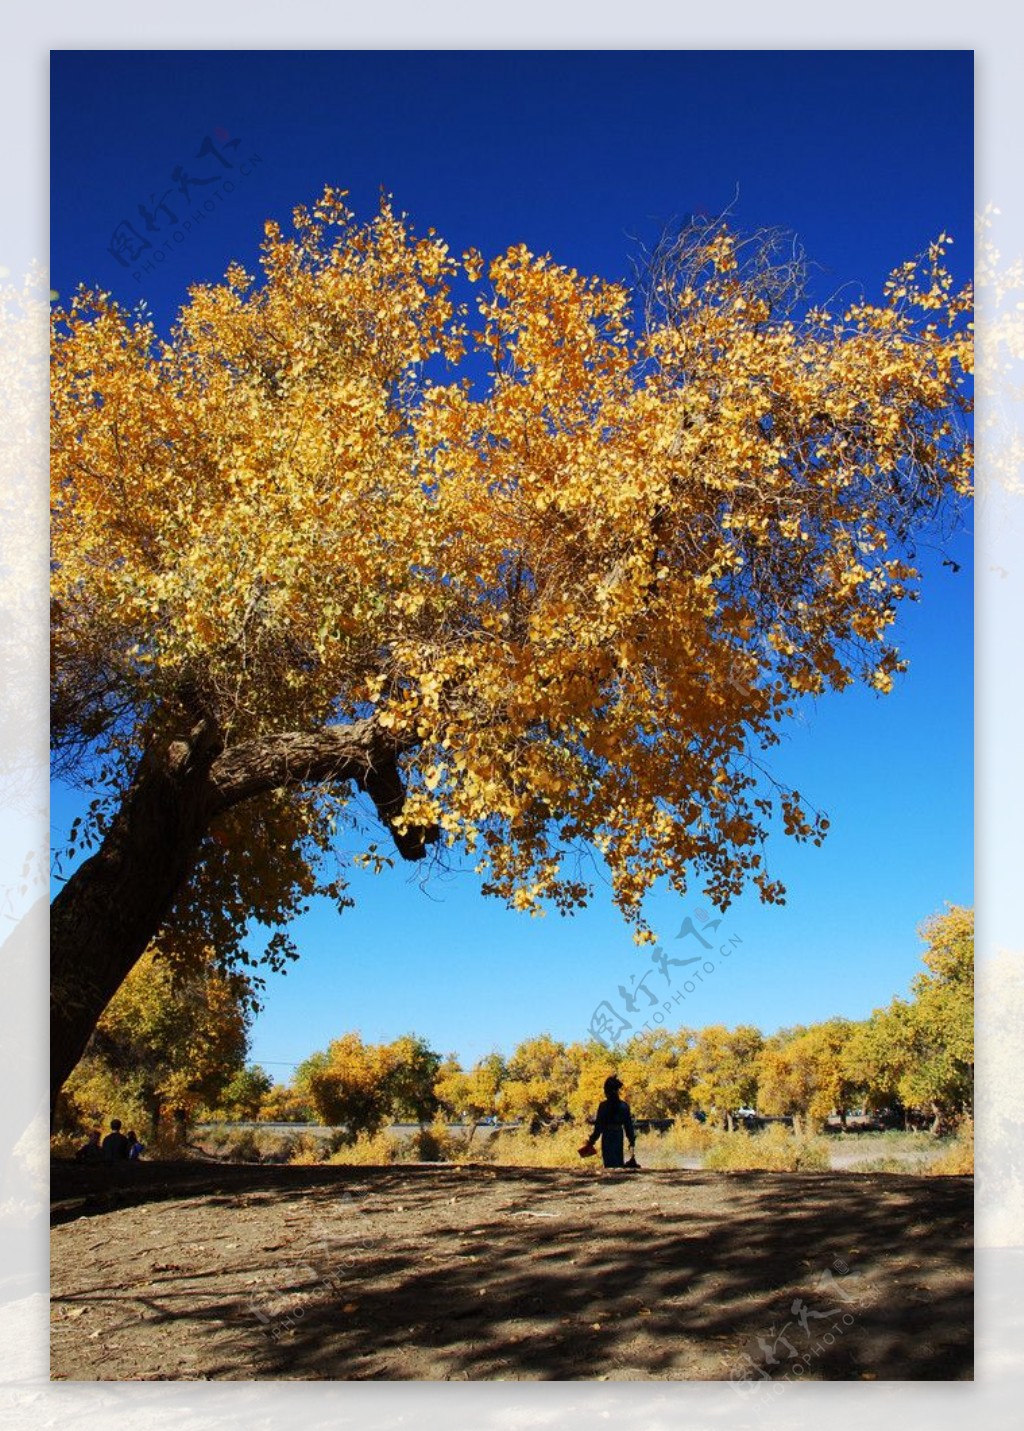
[(111, 907), (116, 902)]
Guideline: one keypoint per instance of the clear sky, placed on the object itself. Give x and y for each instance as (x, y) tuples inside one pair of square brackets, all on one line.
[(866, 156)]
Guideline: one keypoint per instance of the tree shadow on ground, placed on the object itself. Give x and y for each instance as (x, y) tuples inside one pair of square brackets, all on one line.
[(566, 1276)]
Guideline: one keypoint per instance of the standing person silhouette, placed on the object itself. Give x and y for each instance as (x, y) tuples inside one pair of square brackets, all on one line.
[(612, 1121)]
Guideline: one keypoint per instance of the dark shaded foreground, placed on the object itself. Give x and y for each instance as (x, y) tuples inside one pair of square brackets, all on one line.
[(192, 1271)]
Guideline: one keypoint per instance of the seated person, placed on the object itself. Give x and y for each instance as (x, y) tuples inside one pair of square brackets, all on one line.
[(115, 1144), (90, 1152)]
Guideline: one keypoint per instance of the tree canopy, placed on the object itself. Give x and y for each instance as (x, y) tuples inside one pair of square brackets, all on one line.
[(470, 1093), (363, 1086), (803, 1073), (166, 1042), (920, 1052), (540, 570)]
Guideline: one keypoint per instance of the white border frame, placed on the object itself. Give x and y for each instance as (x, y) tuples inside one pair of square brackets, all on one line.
[(26, 1394)]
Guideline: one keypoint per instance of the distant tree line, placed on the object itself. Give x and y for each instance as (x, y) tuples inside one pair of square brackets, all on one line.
[(915, 1056)]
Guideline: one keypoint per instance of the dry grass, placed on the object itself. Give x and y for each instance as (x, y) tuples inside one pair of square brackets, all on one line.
[(518, 1148), (957, 1158), (774, 1149), (686, 1144), (433, 1143), (898, 1151), (368, 1150)]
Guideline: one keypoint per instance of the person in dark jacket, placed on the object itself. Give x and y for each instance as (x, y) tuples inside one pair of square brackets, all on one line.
[(613, 1123), (115, 1144)]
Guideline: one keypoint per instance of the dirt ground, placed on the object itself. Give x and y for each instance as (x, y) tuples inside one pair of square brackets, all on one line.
[(426, 1272)]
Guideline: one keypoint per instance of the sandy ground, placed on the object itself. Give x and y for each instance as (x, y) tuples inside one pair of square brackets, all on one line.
[(199, 1272)]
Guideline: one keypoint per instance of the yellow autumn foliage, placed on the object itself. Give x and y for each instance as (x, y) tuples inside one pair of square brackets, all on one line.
[(576, 557)]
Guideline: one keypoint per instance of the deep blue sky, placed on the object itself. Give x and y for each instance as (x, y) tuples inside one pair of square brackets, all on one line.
[(866, 156)]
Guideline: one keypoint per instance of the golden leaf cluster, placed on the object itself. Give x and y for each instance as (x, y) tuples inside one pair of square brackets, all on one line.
[(580, 564)]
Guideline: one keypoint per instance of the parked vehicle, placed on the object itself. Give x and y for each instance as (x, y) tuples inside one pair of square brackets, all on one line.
[(749, 1119), (653, 1125)]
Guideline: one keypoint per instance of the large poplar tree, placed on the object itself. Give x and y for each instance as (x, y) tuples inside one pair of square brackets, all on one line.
[(538, 573)]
